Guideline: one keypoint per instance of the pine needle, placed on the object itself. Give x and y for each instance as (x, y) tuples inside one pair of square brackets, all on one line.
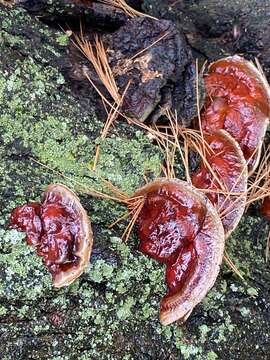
[(112, 116), (215, 174), (169, 151), (231, 265), (8, 3), (87, 190), (122, 5), (175, 129), (259, 183), (123, 217), (97, 56), (135, 208), (232, 193), (150, 46), (198, 104)]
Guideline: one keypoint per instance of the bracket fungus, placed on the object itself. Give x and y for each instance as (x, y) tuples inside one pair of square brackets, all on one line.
[(60, 230), (238, 101), (179, 227), (223, 171), (265, 208)]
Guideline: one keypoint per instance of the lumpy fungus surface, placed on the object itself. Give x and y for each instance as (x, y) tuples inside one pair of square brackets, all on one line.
[(168, 221), (238, 102), (224, 173), (179, 227), (59, 229), (26, 218)]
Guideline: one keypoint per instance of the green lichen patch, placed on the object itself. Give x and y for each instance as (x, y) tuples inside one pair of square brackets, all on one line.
[(22, 275), (14, 23)]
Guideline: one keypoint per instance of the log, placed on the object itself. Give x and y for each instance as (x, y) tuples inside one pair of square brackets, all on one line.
[(111, 312)]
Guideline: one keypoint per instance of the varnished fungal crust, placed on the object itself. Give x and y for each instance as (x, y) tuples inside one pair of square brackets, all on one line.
[(85, 236), (241, 185), (209, 245), (252, 71), (233, 204)]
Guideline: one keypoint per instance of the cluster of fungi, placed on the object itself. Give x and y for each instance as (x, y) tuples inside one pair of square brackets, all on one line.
[(184, 226), (181, 224)]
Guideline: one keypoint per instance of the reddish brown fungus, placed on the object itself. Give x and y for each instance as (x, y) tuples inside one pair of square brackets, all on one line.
[(26, 218), (224, 172), (180, 269), (265, 208), (238, 101), (60, 230), (178, 226)]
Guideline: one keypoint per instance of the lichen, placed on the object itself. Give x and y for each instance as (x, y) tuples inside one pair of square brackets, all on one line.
[(62, 39), (112, 311)]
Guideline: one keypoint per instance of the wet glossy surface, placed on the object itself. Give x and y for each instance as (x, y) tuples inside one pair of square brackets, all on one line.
[(26, 218), (177, 273), (167, 226), (226, 174), (237, 102), (52, 227)]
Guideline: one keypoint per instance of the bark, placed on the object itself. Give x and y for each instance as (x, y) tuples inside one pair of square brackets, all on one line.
[(219, 28), (111, 312)]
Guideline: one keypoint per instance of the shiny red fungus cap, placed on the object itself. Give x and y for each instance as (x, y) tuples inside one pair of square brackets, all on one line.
[(179, 226), (26, 218), (60, 230), (223, 170), (238, 101)]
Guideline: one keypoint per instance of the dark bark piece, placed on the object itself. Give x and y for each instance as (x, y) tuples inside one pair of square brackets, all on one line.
[(216, 27), (162, 76), (154, 56), (91, 13)]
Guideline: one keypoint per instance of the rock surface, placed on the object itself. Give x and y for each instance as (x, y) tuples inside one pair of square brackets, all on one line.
[(111, 312)]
